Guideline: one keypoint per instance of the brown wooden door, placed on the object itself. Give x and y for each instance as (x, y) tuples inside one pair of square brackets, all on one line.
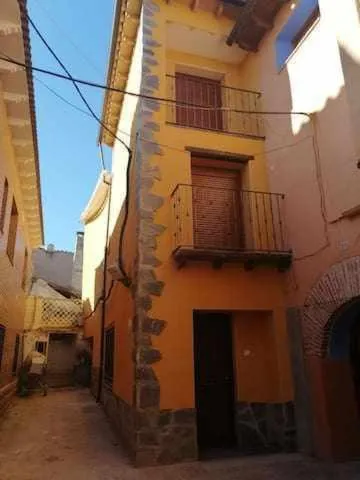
[(214, 384), (216, 211), (199, 91)]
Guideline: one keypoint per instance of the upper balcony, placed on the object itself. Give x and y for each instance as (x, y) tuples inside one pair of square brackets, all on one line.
[(206, 104), (52, 313), (224, 225)]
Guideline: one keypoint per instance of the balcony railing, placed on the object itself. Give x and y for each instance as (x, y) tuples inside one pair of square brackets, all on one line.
[(208, 105), (52, 313), (222, 225)]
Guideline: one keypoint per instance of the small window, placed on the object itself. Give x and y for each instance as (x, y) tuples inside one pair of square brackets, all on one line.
[(16, 355), (4, 205), (12, 232), (300, 22), (306, 27), (41, 347), (2, 342), (109, 355), (25, 268)]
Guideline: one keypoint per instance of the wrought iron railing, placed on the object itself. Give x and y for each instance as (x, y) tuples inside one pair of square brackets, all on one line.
[(218, 219), (210, 106)]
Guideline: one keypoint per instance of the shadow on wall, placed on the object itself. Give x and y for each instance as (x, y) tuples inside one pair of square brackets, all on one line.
[(320, 179)]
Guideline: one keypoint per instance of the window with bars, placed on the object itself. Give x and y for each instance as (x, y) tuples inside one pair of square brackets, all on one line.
[(203, 92), (12, 232), (2, 342), (4, 205), (109, 356)]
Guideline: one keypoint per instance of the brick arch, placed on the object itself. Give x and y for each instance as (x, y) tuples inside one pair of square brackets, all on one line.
[(339, 285)]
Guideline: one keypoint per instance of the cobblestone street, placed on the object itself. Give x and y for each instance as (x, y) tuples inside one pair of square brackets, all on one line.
[(66, 436)]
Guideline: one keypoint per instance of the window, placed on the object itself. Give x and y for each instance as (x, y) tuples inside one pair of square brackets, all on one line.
[(299, 24), (25, 265), (306, 27), (3, 205), (200, 91), (41, 347), (12, 232), (109, 355), (16, 355), (2, 342)]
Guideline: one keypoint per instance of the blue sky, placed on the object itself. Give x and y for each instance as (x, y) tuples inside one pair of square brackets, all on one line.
[(79, 32)]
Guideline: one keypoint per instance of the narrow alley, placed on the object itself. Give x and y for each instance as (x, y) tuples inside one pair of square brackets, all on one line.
[(64, 435)]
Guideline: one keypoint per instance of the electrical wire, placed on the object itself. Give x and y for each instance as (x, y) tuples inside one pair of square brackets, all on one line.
[(164, 145), (70, 77), (75, 81), (126, 280), (143, 96), (66, 35), (102, 156)]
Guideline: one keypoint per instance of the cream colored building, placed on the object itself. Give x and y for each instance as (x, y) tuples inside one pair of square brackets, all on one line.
[(21, 223)]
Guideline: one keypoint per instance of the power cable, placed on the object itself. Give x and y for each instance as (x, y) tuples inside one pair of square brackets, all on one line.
[(143, 96), (69, 76), (164, 145), (66, 35), (126, 280)]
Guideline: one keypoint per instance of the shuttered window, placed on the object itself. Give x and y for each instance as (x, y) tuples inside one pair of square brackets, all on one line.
[(4, 201), (109, 355), (216, 208), (198, 91), (16, 355), (2, 342), (25, 268), (12, 232)]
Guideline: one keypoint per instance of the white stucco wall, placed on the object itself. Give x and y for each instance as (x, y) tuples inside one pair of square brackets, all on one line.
[(54, 267)]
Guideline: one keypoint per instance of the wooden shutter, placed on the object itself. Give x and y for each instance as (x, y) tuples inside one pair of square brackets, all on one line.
[(12, 232), (198, 91), (3, 205), (216, 210)]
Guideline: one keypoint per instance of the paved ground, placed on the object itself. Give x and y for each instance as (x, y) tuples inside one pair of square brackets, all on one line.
[(65, 436)]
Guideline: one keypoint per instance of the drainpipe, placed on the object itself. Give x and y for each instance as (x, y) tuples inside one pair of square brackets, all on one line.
[(103, 296)]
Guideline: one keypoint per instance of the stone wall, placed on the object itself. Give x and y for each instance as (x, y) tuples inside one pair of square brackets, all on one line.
[(123, 419), (166, 437), (265, 427)]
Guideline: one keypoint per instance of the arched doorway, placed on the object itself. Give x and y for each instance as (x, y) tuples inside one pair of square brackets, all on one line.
[(343, 341), (331, 336)]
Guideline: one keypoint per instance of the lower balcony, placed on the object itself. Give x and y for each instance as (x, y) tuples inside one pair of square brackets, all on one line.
[(223, 225)]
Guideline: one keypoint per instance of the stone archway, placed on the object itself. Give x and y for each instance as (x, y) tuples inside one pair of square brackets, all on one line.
[(339, 285), (325, 317)]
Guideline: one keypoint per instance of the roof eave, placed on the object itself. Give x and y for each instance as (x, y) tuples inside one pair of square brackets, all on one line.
[(30, 84)]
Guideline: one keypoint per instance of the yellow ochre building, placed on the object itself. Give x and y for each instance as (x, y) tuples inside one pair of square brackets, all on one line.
[(186, 286), (21, 225)]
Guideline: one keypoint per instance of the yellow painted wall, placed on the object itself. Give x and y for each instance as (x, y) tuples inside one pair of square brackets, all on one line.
[(255, 343), (12, 295), (119, 308), (197, 285)]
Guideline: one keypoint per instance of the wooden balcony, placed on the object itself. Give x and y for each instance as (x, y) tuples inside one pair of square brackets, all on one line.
[(223, 225), (208, 105), (254, 18), (52, 314)]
